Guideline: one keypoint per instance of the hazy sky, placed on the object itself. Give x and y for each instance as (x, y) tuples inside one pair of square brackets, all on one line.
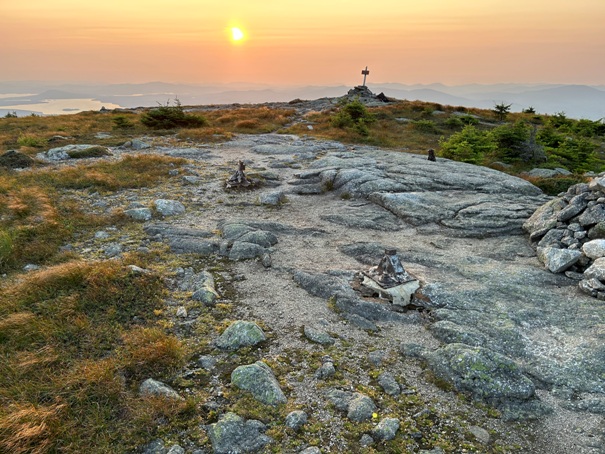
[(304, 41)]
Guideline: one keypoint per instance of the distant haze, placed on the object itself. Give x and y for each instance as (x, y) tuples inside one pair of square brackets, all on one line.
[(311, 42), (576, 101)]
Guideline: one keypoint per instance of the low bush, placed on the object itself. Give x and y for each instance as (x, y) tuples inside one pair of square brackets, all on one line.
[(170, 117), (92, 152)]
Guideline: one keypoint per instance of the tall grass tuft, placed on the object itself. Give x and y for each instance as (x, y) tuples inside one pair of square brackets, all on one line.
[(72, 359)]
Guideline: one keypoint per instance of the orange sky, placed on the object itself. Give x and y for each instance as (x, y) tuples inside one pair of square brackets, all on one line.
[(304, 41)]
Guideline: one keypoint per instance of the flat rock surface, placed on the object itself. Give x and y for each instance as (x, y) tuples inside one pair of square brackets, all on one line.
[(456, 227)]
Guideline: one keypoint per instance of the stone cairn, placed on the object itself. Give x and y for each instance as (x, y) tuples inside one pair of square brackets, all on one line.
[(568, 233), (239, 178), (389, 280)]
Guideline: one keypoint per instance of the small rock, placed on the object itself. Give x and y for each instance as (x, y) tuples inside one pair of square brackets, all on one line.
[(207, 362), (311, 450), (361, 408), (154, 447), (296, 419), (169, 207), (594, 249), (191, 179), (596, 270), (558, 260), (232, 434), (151, 387), (480, 434), (181, 312), (139, 214), (389, 384), (376, 357), (272, 198), (31, 267), (386, 429), (113, 250), (266, 260), (258, 378), (240, 334), (243, 251), (366, 440), (326, 370), (318, 336), (138, 144)]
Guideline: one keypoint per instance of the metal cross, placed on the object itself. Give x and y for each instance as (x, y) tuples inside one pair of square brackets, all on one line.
[(365, 72)]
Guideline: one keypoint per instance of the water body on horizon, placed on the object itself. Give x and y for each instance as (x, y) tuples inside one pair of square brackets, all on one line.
[(57, 107)]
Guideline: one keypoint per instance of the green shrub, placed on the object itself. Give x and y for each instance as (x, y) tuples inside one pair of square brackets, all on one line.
[(577, 155), (121, 122), (501, 110), (469, 120), (560, 121), (92, 152), (353, 115), (556, 185), (454, 122), (27, 140), (469, 145), (549, 137), (170, 117), (426, 126), (512, 140)]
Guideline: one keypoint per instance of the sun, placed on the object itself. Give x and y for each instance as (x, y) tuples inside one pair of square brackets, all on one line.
[(237, 34)]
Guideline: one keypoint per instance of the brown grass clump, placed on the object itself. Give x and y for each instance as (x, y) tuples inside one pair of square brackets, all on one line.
[(251, 120), (72, 359), (150, 352), (35, 220), (27, 429)]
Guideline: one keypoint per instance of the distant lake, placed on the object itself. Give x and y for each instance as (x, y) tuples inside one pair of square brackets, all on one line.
[(55, 106)]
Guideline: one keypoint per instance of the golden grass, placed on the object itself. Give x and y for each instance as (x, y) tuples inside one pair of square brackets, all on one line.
[(150, 352), (72, 359), (35, 220), (27, 429), (250, 120)]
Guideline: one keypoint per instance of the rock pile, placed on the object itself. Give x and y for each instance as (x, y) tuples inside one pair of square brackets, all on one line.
[(568, 233)]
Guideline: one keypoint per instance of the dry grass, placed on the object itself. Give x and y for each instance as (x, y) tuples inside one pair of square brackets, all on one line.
[(150, 352), (399, 125), (250, 120), (72, 359), (35, 220)]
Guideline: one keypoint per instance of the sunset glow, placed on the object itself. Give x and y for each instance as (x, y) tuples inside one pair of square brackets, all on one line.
[(311, 42), (237, 34)]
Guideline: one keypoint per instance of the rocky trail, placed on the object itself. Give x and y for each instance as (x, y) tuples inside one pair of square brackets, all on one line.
[(497, 353)]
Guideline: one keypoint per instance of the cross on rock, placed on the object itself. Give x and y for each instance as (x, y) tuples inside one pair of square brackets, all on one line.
[(365, 73)]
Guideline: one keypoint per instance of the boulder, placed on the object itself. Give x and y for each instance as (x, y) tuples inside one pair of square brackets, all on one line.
[(169, 207), (594, 249), (483, 373), (558, 260), (258, 378), (240, 334), (233, 434)]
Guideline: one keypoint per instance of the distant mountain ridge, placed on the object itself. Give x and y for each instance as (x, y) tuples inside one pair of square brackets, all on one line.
[(576, 101)]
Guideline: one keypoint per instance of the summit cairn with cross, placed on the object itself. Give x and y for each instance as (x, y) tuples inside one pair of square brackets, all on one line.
[(363, 93), (365, 73)]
